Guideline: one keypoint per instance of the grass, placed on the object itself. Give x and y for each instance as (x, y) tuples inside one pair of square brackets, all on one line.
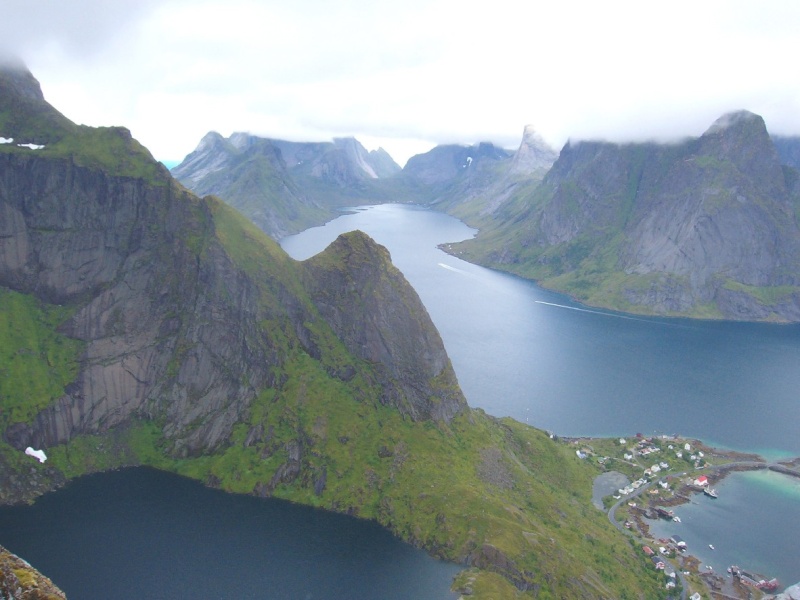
[(421, 480), (766, 295), (36, 362)]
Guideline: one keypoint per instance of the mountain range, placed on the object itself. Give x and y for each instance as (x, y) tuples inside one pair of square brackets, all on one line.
[(706, 227), (285, 187), (143, 325)]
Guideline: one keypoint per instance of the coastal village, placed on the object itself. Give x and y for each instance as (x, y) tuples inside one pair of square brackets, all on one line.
[(644, 478)]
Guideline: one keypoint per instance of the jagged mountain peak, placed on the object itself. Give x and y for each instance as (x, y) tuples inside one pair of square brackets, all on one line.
[(408, 354), (210, 140), (534, 153), (741, 138)]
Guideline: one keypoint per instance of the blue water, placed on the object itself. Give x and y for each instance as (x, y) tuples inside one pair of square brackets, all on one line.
[(143, 534), (521, 351)]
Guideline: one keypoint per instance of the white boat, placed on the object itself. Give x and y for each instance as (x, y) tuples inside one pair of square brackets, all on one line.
[(711, 546)]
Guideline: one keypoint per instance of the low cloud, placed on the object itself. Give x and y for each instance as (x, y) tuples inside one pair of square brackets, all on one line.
[(412, 74)]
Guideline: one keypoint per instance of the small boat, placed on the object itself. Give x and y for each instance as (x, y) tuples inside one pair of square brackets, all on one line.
[(710, 493), (676, 519), (711, 546)]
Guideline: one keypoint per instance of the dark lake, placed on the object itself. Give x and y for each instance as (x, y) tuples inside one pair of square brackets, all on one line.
[(142, 534)]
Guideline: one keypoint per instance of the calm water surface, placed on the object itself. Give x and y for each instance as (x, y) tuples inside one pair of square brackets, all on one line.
[(143, 534), (767, 499)]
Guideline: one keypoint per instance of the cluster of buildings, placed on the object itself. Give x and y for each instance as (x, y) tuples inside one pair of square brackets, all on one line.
[(660, 564)]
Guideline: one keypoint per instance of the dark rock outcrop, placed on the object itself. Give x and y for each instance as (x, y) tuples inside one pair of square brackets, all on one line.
[(389, 328), (166, 333), (20, 581)]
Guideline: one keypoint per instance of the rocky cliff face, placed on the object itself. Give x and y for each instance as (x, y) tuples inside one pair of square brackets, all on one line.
[(167, 334), (386, 330), (706, 225), (180, 324)]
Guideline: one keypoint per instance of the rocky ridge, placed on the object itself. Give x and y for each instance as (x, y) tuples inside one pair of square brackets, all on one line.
[(283, 186), (200, 347)]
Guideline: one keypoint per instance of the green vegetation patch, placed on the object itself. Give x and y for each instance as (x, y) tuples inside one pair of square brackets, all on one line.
[(766, 295), (36, 362)]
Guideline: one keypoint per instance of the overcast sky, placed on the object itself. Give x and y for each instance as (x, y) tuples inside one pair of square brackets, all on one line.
[(409, 74)]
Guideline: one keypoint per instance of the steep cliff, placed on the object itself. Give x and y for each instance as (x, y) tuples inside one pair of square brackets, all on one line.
[(707, 227), (179, 323), (387, 329)]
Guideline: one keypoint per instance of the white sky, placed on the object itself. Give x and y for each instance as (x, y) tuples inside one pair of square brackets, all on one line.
[(409, 74)]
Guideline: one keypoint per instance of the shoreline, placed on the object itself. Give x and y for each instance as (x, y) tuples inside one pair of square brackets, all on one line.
[(672, 487)]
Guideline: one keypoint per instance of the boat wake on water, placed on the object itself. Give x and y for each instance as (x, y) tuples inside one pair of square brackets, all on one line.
[(594, 312), (449, 268)]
